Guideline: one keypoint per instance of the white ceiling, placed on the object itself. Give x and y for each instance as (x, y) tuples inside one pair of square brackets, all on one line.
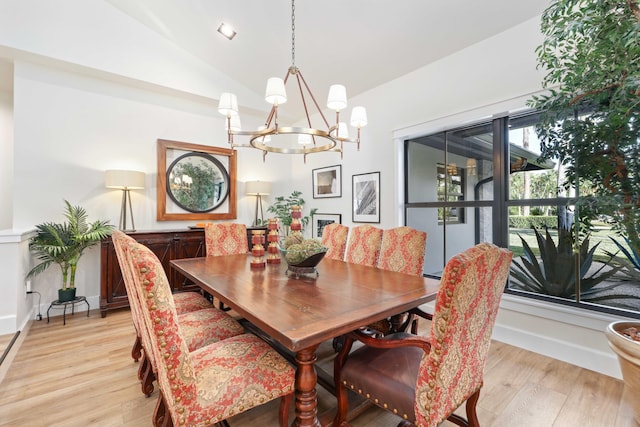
[(358, 43)]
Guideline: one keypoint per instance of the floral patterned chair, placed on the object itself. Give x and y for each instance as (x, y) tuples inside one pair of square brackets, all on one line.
[(440, 372), (402, 249), (334, 237), (206, 386), (364, 249), (225, 238), (201, 323), (364, 245)]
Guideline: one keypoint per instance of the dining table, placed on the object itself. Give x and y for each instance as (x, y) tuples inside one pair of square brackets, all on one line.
[(302, 311)]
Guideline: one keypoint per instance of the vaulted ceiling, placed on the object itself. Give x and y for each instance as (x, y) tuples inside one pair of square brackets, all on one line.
[(358, 43)]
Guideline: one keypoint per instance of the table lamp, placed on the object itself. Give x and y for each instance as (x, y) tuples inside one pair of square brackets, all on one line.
[(258, 189), (125, 180)]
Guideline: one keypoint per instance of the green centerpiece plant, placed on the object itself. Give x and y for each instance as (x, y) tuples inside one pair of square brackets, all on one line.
[(64, 244)]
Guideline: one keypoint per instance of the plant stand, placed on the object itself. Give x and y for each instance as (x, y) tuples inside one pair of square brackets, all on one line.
[(64, 304)]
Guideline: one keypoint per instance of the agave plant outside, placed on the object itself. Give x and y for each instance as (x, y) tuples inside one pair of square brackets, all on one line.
[(554, 271)]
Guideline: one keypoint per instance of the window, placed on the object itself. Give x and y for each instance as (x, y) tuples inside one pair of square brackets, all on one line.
[(451, 188), (490, 185)]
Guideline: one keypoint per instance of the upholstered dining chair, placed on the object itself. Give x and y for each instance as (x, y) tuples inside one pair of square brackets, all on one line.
[(364, 245), (402, 250), (334, 238), (206, 386), (363, 248), (185, 301), (425, 379), (225, 238), (201, 324)]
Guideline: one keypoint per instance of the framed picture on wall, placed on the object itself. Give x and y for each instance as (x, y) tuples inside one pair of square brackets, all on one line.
[(327, 182), (366, 197), (321, 220)]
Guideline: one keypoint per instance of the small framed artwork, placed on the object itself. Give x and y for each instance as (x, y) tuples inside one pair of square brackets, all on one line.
[(366, 197), (321, 220), (327, 182)]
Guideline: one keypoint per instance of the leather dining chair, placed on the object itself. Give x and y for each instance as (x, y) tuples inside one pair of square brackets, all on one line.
[(334, 238), (206, 386), (201, 324), (364, 245), (425, 379)]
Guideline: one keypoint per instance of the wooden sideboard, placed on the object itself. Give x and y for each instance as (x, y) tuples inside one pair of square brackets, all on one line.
[(167, 245)]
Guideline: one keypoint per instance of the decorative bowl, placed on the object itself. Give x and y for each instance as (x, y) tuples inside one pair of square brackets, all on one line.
[(307, 265)]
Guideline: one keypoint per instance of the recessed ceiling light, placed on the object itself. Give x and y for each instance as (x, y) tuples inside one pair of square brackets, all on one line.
[(227, 31)]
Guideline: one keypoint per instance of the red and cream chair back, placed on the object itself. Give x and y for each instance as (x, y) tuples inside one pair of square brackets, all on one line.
[(402, 250), (364, 245), (225, 238), (334, 237), (440, 372), (465, 313), (215, 382)]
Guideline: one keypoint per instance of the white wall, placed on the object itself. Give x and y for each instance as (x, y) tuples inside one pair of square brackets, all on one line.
[(6, 158), (70, 128)]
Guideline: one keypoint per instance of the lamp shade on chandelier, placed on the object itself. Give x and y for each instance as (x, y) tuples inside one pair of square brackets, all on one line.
[(310, 139)]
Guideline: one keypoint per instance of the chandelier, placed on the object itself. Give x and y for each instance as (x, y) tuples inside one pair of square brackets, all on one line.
[(275, 138)]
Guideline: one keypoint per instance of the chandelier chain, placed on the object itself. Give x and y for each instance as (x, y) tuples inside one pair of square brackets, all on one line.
[(293, 33)]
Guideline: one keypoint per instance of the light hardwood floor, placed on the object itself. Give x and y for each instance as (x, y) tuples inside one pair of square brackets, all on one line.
[(82, 374)]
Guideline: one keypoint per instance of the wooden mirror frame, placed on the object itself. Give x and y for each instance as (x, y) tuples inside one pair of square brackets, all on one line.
[(162, 214)]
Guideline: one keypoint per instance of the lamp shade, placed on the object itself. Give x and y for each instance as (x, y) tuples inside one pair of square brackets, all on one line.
[(255, 188), (123, 179), (275, 94), (234, 121), (228, 104), (337, 99), (358, 117)]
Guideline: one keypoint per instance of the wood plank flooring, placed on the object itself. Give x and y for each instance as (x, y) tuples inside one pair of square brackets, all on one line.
[(82, 374)]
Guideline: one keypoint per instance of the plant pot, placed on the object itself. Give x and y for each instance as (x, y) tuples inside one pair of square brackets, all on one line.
[(628, 352), (68, 294)]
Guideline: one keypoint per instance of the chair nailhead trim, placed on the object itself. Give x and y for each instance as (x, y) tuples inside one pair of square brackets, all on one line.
[(375, 400)]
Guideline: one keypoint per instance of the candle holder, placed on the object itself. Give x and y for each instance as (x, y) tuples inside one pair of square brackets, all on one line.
[(272, 238), (257, 250)]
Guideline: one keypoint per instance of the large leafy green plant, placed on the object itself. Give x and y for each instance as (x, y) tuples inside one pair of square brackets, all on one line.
[(553, 272), (64, 244), (591, 113)]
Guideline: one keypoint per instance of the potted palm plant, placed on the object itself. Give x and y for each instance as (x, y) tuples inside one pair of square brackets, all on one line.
[(64, 244)]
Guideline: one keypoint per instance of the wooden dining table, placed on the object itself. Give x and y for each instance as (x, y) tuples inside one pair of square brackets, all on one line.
[(301, 312)]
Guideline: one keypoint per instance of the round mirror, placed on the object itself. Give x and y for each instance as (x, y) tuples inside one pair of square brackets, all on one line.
[(197, 182)]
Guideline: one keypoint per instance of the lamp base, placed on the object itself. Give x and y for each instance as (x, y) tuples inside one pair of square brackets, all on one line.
[(126, 199)]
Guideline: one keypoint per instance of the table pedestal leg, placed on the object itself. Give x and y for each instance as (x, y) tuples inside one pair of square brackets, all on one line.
[(306, 396)]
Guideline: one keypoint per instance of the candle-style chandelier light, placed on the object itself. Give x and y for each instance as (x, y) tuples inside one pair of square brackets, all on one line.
[(275, 138)]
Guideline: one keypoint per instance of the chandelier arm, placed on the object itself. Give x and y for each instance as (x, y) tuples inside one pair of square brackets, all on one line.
[(314, 99), (304, 104)]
